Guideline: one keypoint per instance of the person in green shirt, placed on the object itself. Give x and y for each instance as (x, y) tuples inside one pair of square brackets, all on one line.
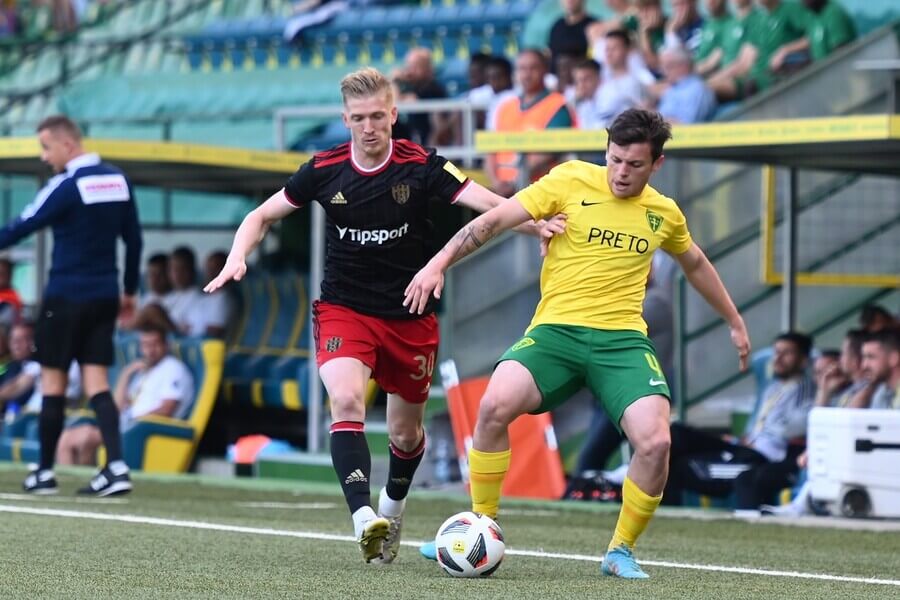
[(738, 54), (651, 31), (828, 27), (779, 34), (708, 56)]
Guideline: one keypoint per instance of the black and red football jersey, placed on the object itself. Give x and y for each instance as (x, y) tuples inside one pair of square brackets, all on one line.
[(377, 227)]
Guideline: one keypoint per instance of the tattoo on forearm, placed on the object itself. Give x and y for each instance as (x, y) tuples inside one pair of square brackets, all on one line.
[(469, 239)]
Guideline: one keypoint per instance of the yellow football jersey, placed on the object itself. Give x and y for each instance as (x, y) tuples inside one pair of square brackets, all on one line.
[(595, 274)]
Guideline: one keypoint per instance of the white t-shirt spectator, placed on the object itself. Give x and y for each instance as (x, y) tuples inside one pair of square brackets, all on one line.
[(152, 298), (170, 379), (193, 311), (73, 388), (616, 95)]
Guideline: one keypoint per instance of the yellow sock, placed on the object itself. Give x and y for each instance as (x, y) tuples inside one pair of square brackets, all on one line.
[(637, 510), (486, 473)]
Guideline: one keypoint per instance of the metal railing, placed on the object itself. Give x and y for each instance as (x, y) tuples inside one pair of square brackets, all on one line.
[(465, 152)]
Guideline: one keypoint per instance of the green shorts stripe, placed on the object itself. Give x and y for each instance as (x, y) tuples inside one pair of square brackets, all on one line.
[(619, 367)]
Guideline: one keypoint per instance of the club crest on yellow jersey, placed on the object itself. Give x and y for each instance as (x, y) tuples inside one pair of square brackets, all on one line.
[(654, 220)]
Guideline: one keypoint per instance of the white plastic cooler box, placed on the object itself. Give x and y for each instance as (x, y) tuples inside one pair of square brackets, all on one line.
[(854, 461)]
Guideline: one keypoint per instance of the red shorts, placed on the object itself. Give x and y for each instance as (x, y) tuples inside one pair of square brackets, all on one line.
[(400, 352)]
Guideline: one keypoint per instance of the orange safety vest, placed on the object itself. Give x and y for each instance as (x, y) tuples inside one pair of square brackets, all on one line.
[(511, 117)]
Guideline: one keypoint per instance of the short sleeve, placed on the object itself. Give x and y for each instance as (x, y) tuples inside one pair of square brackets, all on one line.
[(679, 239), (445, 180), (546, 196), (300, 188)]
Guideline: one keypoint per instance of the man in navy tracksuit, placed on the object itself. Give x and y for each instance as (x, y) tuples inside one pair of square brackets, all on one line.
[(89, 204)]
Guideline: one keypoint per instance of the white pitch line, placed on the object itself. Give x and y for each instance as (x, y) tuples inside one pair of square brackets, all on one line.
[(62, 499), (72, 514), (293, 505)]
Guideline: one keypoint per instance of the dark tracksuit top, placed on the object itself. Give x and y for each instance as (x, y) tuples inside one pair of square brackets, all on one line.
[(88, 207)]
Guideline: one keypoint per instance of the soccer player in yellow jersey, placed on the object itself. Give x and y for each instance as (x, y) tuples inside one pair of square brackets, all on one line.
[(587, 329)]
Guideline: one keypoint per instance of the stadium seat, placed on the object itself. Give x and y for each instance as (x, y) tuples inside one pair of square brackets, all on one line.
[(167, 445)]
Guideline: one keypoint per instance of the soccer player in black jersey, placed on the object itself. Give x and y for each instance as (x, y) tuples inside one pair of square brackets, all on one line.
[(89, 205), (375, 192)]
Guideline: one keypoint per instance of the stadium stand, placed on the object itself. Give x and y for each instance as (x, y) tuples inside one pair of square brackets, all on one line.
[(154, 444)]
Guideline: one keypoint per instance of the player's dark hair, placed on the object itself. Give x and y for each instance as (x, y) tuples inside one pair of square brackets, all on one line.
[(873, 312), (186, 254), (619, 34), (502, 63), (801, 340), (60, 123), (638, 126), (539, 54), (155, 328), (588, 64), (832, 353), (480, 58), (160, 259), (855, 339), (889, 339)]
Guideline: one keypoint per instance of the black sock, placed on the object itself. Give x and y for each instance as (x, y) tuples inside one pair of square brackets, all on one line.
[(108, 421), (402, 467), (50, 426), (352, 462)]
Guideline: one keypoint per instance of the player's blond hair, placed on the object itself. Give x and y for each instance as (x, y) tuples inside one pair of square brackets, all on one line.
[(364, 83)]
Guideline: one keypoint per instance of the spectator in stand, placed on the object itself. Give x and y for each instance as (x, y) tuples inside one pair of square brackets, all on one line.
[(10, 302), (684, 97), (881, 367), (876, 318), (829, 27), (713, 37), (480, 92), (500, 78), (586, 75), (158, 284), (837, 385), (619, 89), (416, 81), (567, 36), (782, 36), (651, 32), (536, 108), (707, 464), (624, 19), (186, 304), (222, 305), (564, 80), (155, 384), (768, 35), (685, 27)]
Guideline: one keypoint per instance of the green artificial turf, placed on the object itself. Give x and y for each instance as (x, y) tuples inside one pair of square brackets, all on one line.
[(66, 557)]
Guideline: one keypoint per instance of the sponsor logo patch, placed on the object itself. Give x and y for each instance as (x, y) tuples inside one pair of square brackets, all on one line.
[(523, 343), (372, 236)]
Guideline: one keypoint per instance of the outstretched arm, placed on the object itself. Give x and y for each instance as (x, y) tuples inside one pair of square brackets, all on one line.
[(430, 280), (477, 197), (251, 232), (704, 278)]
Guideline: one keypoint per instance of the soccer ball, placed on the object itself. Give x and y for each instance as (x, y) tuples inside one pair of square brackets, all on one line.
[(469, 545)]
